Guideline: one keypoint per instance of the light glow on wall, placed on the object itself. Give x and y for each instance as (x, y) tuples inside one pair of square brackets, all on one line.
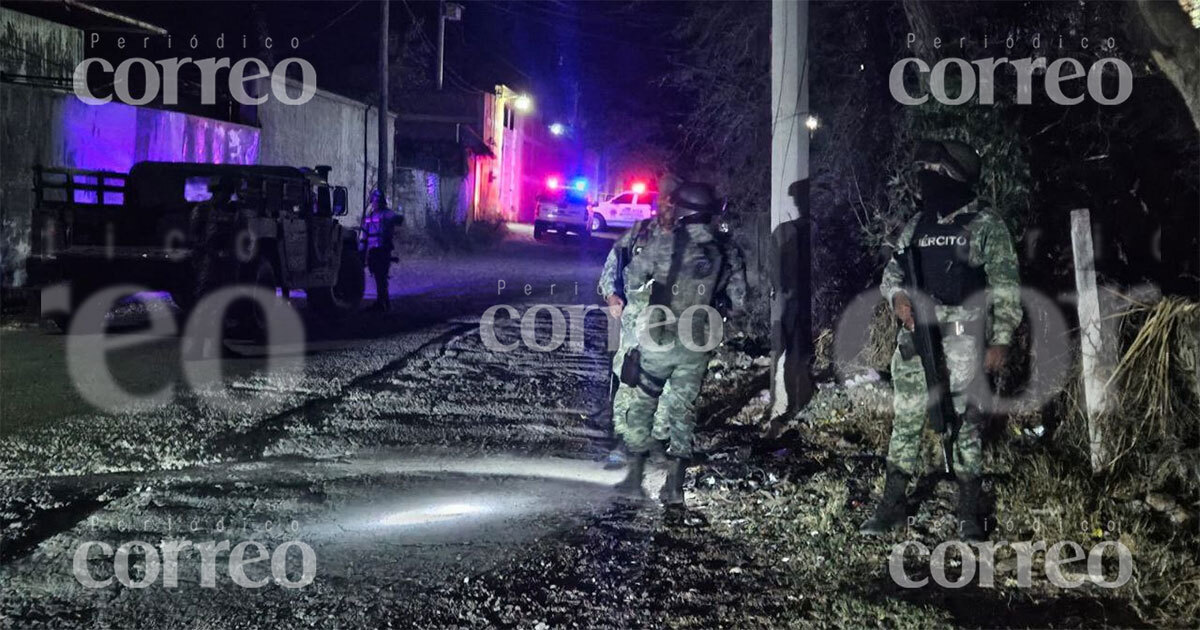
[(115, 136)]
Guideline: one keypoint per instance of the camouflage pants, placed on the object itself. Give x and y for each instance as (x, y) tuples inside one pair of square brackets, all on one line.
[(639, 417), (909, 403), (661, 430)]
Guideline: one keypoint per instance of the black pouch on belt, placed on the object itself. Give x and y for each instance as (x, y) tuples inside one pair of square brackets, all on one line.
[(908, 348), (631, 367)]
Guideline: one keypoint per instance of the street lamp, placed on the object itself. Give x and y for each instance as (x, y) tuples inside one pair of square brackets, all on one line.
[(520, 102), (558, 129), (812, 123), (446, 11)]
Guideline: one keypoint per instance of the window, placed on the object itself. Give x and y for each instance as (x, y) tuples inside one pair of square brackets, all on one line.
[(624, 198), (646, 198), (197, 188)]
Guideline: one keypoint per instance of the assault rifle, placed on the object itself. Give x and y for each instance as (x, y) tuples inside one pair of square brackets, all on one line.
[(927, 343)]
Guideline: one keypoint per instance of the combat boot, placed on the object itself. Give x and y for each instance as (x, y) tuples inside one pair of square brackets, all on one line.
[(890, 512), (671, 493), (969, 528), (631, 485)]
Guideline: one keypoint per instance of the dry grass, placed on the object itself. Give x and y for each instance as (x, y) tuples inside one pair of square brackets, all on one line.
[(1155, 384), (1152, 433), (882, 340)]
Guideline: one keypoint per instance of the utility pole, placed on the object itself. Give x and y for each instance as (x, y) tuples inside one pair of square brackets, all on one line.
[(791, 305), (451, 11), (441, 42), (382, 178)]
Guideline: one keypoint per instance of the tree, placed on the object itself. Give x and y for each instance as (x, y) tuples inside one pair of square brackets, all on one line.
[(1172, 38)]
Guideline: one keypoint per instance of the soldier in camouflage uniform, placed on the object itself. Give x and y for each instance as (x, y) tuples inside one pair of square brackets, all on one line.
[(677, 263), (634, 239), (969, 269)]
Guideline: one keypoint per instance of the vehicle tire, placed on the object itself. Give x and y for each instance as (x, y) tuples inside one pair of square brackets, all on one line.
[(245, 319), (539, 231), (346, 296), (598, 223)]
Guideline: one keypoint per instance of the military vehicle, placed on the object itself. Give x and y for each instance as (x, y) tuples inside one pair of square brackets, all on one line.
[(189, 229)]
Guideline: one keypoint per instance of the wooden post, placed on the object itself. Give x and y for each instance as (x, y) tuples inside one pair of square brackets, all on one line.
[(1098, 357)]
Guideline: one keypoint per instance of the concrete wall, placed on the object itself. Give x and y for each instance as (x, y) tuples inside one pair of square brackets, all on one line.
[(434, 205), (37, 47), (332, 130)]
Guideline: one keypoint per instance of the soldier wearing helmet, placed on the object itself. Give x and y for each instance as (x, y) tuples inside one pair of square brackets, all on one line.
[(677, 267), (969, 270)]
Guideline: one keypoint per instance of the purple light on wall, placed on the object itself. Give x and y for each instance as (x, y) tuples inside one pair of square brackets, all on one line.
[(114, 136), (98, 137)]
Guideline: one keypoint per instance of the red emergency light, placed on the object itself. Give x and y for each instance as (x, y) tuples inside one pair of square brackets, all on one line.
[(639, 188), (552, 183)]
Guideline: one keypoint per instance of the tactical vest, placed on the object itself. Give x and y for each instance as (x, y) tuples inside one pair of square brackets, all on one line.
[(378, 227), (945, 250), (691, 279)]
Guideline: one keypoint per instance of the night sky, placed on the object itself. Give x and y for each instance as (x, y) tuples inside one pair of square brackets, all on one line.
[(581, 61)]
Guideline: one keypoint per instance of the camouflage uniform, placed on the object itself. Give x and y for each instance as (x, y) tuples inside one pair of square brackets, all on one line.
[(635, 237), (990, 249), (706, 268)]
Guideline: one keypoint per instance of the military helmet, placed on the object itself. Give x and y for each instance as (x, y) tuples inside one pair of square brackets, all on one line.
[(667, 183), (954, 159), (691, 199)]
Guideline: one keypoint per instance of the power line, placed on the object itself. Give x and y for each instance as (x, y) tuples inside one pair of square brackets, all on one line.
[(331, 22), (463, 84)]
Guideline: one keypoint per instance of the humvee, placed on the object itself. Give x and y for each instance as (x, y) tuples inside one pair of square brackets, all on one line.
[(189, 229)]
